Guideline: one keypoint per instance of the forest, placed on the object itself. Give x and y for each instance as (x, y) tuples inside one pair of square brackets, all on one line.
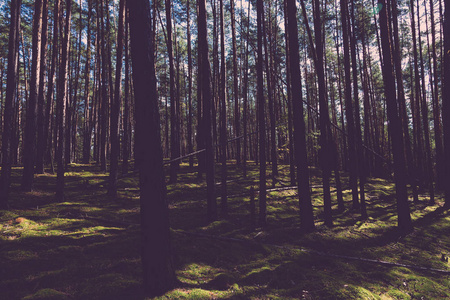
[(224, 149)]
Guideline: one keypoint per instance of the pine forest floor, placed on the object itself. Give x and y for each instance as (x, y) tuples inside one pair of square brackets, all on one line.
[(88, 246)]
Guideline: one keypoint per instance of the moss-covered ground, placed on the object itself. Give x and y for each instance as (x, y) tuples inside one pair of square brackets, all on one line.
[(87, 247)]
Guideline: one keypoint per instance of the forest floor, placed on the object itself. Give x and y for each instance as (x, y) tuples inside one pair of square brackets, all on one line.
[(88, 246)]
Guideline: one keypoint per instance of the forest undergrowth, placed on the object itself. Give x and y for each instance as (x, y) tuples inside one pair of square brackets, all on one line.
[(88, 247)]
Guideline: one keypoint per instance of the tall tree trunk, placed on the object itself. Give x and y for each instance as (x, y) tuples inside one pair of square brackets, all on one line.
[(349, 110), (205, 76), (174, 113), (87, 126), (326, 157), (115, 107), (261, 115), (358, 135), (237, 118), (395, 126), (11, 92), (436, 111), (104, 99), (158, 270), (446, 101), (41, 94), (189, 50), (301, 159), (126, 110), (223, 115), (245, 116), (29, 143), (61, 103), (289, 101)]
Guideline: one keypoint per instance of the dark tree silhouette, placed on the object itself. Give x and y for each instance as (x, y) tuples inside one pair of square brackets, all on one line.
[(158, 271)]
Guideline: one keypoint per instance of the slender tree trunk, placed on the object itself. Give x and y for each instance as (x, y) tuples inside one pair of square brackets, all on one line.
[(301, 159), (29, 144), (87, 127), (436, 111), (395, 127), (349, 110), (11, 92), (174, 114), (189, 50), (261, 115), (326, 157), (126, 110), (41, 93), (61, 103), (237, 120), (159, 274), (115, 107), (446, 101), (223, 115), (207, 98)]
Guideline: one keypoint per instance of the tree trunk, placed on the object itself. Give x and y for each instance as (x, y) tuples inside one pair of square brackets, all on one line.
[(223, 115), (115, 107), (205, 75), (87, 126), (301, 159), (237, 120), (174, 114), (61, 103), (159, 274), (126, 110), (29, 143), (395, 127), (41, 94), (326, 157), (349, 110), (261, 115), (11, 90), (446, 101)]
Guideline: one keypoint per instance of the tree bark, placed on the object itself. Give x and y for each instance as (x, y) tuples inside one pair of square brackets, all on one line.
[(261, 115), (29, 143), (41, 94), (205, 75), (159, 274), (115, 107), (395, 127), (301, 159), (446, 101), (11, 91), (61, 103)]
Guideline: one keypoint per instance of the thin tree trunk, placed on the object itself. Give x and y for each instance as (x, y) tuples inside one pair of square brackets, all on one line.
[(11, 91), (223, 115), (205, 71), (325, 139), (126, 111), (115, 107), (446, 101), (174, 114), (237, 124), (29, 143), (261, 115), (41, 95), (301, 159), (61, 102), (395, 127), (349, 110)]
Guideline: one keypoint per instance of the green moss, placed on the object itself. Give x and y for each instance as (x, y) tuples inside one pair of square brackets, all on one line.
[(47, 294)]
